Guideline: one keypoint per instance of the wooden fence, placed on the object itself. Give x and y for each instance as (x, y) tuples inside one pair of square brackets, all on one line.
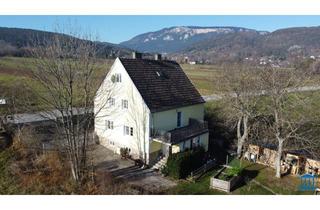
[(200, 171)]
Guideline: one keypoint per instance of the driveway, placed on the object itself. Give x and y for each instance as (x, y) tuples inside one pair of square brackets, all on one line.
[(105, 159), (145, 180)]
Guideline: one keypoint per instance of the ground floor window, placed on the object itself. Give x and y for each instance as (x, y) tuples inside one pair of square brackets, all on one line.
[(126, 130), (109, 124)]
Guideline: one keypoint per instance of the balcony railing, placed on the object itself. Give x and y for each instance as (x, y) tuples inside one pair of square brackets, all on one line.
[(195, 128)]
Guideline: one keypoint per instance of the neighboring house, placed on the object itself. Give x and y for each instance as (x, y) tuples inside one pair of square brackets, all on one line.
[(151, 107)]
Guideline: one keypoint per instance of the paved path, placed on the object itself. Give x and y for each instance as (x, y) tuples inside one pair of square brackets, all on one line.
[(24, 118), (146, 179), (215, 97)]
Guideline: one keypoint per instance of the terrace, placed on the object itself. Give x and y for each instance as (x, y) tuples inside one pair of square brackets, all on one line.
[(177, 135)]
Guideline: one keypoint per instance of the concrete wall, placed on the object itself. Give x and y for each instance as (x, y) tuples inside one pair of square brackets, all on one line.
[(136, 116)]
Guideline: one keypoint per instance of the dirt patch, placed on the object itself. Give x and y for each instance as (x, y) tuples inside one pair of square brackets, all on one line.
[(152, 184), (16, 72)]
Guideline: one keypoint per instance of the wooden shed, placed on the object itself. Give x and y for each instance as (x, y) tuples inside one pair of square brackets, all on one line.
[(312, 166)]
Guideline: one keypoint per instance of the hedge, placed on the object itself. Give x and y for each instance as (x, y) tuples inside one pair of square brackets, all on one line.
[(180, 165)]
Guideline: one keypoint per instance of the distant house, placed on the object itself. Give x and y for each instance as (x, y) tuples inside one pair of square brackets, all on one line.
[(154, 110), (3, 101)]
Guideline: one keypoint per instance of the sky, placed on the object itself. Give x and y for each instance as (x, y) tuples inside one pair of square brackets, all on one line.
[(116, 29)]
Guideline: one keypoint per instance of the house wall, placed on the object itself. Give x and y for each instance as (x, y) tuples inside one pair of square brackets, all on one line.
[(136, 116), (167, 120)]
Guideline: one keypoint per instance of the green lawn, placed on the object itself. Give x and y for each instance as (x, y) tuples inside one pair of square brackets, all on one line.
[(261, 174)]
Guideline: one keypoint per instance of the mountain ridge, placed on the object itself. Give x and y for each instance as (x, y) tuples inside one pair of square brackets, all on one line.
[(15, 41), (184, 36)]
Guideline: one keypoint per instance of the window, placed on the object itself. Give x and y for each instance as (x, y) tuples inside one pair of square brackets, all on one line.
[(179, 116), (125, 130), (131, 131), (116, 78), (124, 104), (109, 124), (111, 101)]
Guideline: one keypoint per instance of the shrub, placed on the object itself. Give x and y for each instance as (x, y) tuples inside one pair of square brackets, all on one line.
[(181, 164), (235, 171), (125, 152)]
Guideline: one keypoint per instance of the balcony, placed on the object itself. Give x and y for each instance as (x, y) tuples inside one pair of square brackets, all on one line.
[(177, 135)]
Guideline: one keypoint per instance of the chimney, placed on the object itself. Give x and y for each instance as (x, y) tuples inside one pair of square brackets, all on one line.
[(157, 57), (136, 55)]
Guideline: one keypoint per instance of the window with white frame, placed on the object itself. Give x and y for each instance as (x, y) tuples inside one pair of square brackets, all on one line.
[(111, 101), (125, 130), (116, 78), (109, 124), (124, 104)]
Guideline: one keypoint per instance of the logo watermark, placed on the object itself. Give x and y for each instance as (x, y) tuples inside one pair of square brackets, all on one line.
[(308, 182)]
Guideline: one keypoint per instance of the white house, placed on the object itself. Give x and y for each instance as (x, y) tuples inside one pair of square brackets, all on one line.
[(151, 107)]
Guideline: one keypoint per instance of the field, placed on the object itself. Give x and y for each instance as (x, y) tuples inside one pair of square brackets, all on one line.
[(13, 69), (204, 77)]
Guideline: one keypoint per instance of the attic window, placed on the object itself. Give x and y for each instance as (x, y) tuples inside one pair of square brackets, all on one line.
[(116, 78), (162, 75)]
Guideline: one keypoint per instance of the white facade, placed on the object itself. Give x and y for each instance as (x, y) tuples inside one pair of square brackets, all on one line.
[(124, 120), (135, 115)]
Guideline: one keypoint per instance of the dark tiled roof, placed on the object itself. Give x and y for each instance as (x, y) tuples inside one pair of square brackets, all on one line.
[(162, 84)]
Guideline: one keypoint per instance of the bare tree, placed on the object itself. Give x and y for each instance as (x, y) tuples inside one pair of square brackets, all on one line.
[(240, 86), (66, 70), (284, 103)]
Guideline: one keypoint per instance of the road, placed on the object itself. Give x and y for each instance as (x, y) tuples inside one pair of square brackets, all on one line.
[(215, 97), (52, 115), (25, 118)]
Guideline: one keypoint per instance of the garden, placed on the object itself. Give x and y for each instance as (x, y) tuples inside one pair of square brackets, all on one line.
[(257, 180)]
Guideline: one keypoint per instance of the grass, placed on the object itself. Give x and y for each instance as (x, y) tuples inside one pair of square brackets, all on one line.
[(203, 77), (287, 185), (201, 187), (8, 184), (16, 72)]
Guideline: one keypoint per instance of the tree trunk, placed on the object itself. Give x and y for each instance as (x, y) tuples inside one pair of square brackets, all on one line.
[(278, 158), (242, 137)]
